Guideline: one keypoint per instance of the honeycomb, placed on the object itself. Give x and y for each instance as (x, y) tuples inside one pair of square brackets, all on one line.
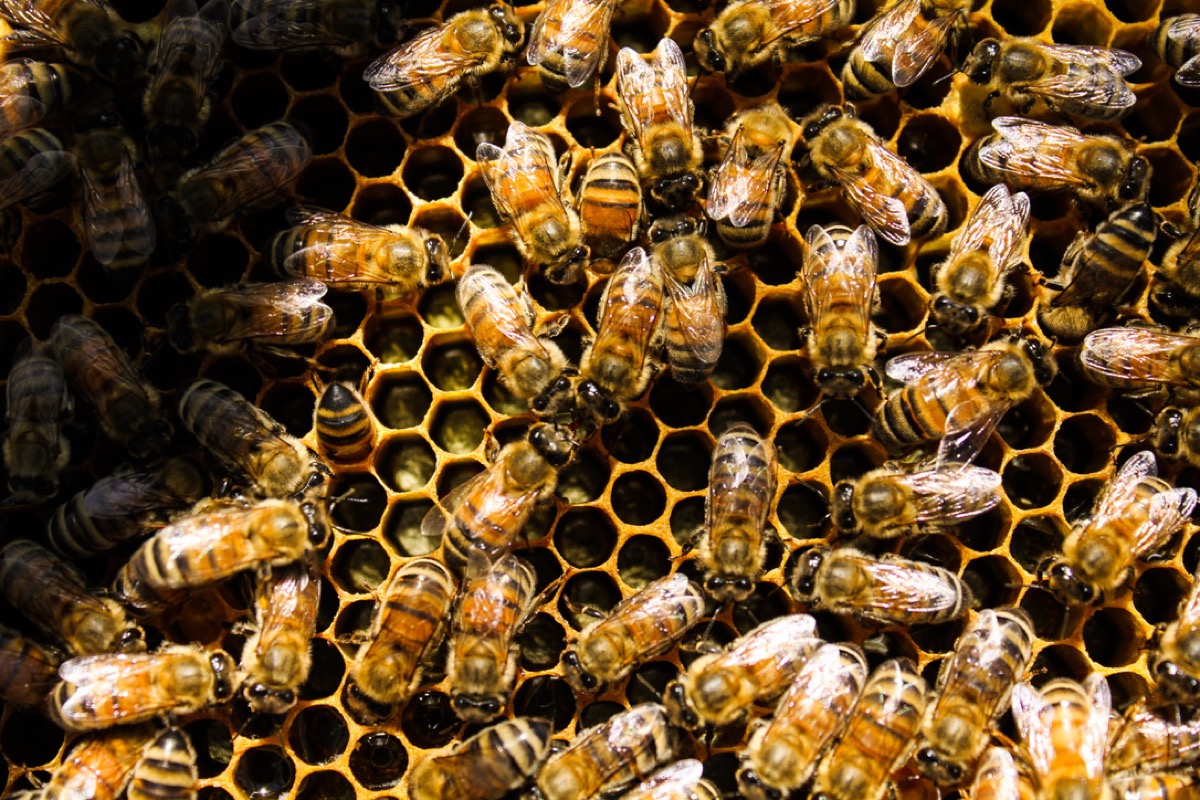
[(631, 499)]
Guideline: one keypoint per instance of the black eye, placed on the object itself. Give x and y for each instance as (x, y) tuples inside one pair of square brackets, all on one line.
[(955, 772), (972, 315), (743, 584), (825, 375)]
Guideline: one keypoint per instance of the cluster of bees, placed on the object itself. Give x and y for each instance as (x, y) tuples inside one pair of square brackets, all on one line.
[(640, 217)]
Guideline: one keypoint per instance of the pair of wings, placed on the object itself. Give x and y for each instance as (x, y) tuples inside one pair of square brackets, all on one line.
[(19, 108), (900, 585), (423, 59), (660, 601), (1187, 28), (638, 276), (886, 214), (651, 88), (190, 45), (581, 36), (254, 165), (508, 310), (116, 200), (83, 342), (1136, 355), (697, 313), (998, 225), (888, 38), (951, 493), (676, 781), (985, 648), (38, 174), (780, 646), (497, 506), (191, 539), (833, 270), (337, 245), (1047, 726), (286, 598), (1169, 509), (831, 679), (524, 168), (1079, 78), (494, 603), (1034, 150), (271, 310), (742, 185), (285, 25), (42, 395), (129, 681), (35, 28)]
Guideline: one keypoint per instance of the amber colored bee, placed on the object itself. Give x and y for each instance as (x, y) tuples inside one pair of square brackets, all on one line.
[(30, 164), (839, 289), (346, 27), (887, 589), (880, 735), (607, 758), (1035, 156), (500, 320), (344, 253), (1177, 42), (487, 766), (1135, 514), (892, 198), (100, 691), (694, 327), (1097, 270), (1176, 664), (278, 656), (1176, 287), (1174, 786), (1064, 726), (782, 753), (640, 627), (256, 314), (481, 663), (410, 620), (973, 689), (1154, 740), (28, 671), (30, 91), (89, 32), (681, 781), (1141, 359), (569, 42), (610, 210), (747, 33), (900, 44), (37, 405), (98, 766), (424, 71), (748, 185), (656, 111), (679, 244), (343, 424), (128, 408), (719, 688), (167, 769), (617, 365), (999, 778)]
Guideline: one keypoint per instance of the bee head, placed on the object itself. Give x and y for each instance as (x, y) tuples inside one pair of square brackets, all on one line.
[(439, 260), (1167, 429), (1137, 179), (1175, 682), (265, 700), (705, 48), (224, 674), (752, 786), (728, 589), (841, 382), (594, 398), (953, 317), (821, 119), (510, 25), (937, 769), (476, 708), (1068, 586), (1045, 367), (979, 64), (804, 576), (676, 192), (580, 679), (553, 398), (843, 507), (679, 710), (554, 444)]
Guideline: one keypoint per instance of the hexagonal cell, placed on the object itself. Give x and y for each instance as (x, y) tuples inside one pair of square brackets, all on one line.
[(787, 386), (12, 287), (643, 559), (1112, 637), (1154, 118), (402, 528), (638, 498), (1130, 415), (929, 142), (29, 739), (364, 501), (1059, 661), (902, 303), (439, 307), (458, 427), (683, 461), (585, 537), (1081, 23), (1028, 424), (344, 362), (326, 182), (1079, 499), (584, 595), (264, 772), (846, 417), (382, 204), (328, 667), (548, 697), (801, 445), (323, 120), (1084, 443), (291, 405), (584, 479), (993, 581), (1172, 176), (530, 103), (677, 407), (1071, 390), (987, 531), (1158, 593), (318, 735), (853, 461), (305, 71), (740, 364), (803, 510), (1032, 480), (428, 720), (479, 125), (775, 262), (401, 399), (649, 681), (47, 303), (375, 147), (687, 516), (446, 222), (1033, 540), (477, 201), (326, 785), (641, 30), (1132, 10), (590, 129), (433, 123), (213, 744), (633, 438), (432, 173), (259, 99), (1049, 616), (378, 761), (360, 565), (777, 322), (452, 364), (405, 463)]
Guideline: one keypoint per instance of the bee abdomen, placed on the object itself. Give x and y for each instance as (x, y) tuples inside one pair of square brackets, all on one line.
[(345, 431), (863, 80), (167, 769)]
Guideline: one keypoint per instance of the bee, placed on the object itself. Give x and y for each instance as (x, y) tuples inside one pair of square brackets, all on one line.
[(1064, 726), (30, 91), (681, 781), (641, 627), (1176, 434), (100, 691), (999, 778), (1179, 786), (346, 27), (747, 33), (1176, 289), (1177, 42), (900, 44), (1034, 156), (1136, 514), (973, 689), (30, 164), (694, 327), (278, 656), (488, 765), (960, 397), (482, 661), (128, 408), (89, 32), (618, 364), (609, 207), (167, 769), (424, 71), (1154, 740), (38, 405), (28, 671), (718, 688), (347, 254), (656, 111), (607, 758), (243, 174), (839, 289), (527, 188), (892, 198), (225, 320), (782, 753), (1098, 269), (748, 185), (678, 243), (343, 423), (51, 594), (1176, 664), (886, 589), (569, 42), (98, 766), (973, 278), (1141, 359)]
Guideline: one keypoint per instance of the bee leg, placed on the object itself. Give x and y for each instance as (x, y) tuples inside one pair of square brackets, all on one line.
[(987, 101)]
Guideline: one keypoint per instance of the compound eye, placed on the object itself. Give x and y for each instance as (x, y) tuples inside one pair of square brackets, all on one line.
[(955, 772), (743, 584), (258, 691), (941, 303), (857, 378), (926, 755), (972, 315), (825, 375)]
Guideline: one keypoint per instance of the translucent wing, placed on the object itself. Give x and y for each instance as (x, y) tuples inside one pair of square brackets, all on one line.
[(742, 186), (120, 496), (879, 39), (240, 167), (998, 225), (1188, 73), (18, 111), (420, 60), (676, 781), (831, 275), (521, 176), (911, 367), (791, 17), (434, 522), (623, 317), (587, 21), (1121, 490), (952, 495), (1028, 706), (284, 25), (295, 593), (916, 53), (672, 82), (1033, 148), (37, 175), (784, 641), (1095, 735), (116, 211), (37, 28), (182, 52), (885, 214), (1087, 77), (269, 310), (697, 313), (505, 313), (898, 584), (968, 427), (339, 230), (645, 87), (1169, 511)]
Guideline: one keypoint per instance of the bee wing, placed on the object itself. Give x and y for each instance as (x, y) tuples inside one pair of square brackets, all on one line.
[(123, 196), (341, 229), (294, 593), (952, 495), (1095, 734), (520, 174), (631, 279), (828, 274), (998, 223), (968, 427), (911, 367), (589, 21), (1028, 705), (1188, 73), (885, 214), (417, 61), (37, 175), (268, 308), (103, 668), (643, 87), (887, 28), (790, 17), (997, 775), (180, 52), (699, 312), (284, 25), (671, 80), (1131, 354), (677, 780), (1090, 77), (742, 186), (37, 28), (1169, 511), (899, 585), (1120, 490), (13, 107), (915, 54), (1030, 147), (434, 521)]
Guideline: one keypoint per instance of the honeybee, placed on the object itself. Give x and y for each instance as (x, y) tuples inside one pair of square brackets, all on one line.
[(609, 207), (277, 656), (30, 91), (612, 756), (900, 44), (694, 326), (167, 769), (1177, 786), (887, 589), (999, 778), (344, 253), (747, 186), (641, 627), (1141, 358), (1177, 42), (1034, 156), (89, 32), (410, 620), (51, 594), (1135, 514), (128, 408), (97, 767), (839, 289), (343, 424), (1064, 726), (347, 27), (1176, 289), (718, 688), (746, 33), (656, 111), (1098, 268), (782, 753), (678, 243), (891, 197), (243, 174), (1176, 664), (28, 671), (527, 188), (1154, 740), (486, 766), (263, 314), (617, 365), (100, 691), (30, 164), (424, 71), (681, 781), (38, 404), (960, 397), (481, 664), (973, 689), (569, 42), (1176, 434), (973, 278)]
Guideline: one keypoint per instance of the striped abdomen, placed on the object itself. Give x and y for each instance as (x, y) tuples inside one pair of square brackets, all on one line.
[(610, 205), (345, 429), (167, 769), (27, 671)]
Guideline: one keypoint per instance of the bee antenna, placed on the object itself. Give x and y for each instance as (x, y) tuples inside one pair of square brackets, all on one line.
[(941, 80), (461, 230), (692, 88), (654, 690), (861, 407)]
